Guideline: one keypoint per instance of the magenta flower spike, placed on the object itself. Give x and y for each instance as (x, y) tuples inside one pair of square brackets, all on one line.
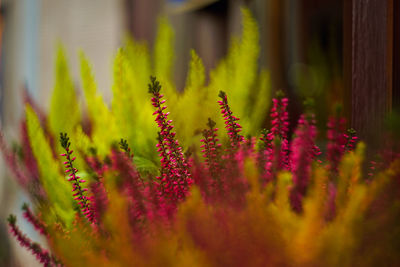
[(274, 154), (175, 177), (231, 124), (123, 144), (132, 185), (78, 191), (279, 129), (303, 152), (12, 162), (100, 199), (30, 217), (211, 149), (279, 117), (336, 142), (351, 139), (42, 255)]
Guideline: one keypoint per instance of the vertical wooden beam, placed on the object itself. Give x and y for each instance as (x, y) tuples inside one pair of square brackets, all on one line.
[(396, 55), (141, 18), (276, 50), (347, 52), (371, 66)]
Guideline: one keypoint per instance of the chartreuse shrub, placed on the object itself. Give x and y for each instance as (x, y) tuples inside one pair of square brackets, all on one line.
[(168, 178)]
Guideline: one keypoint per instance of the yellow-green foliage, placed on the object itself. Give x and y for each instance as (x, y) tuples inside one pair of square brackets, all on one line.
[(237, 75), (104, 127), (131, 104), (131, 110), (130, 116), (57, 188), (164, 52), (64, 112)]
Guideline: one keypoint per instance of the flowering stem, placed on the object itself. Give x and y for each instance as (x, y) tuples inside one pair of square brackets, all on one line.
[(336, 142), (37, 224), (301, 157), (79, 194), (41, 254), (175, 176), (210, 148), (123, 144), (279, 130), (230, 121), (351, 139)]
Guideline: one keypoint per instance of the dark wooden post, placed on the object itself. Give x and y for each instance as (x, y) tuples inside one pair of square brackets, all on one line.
[(141, 18), (369, 56), (276, 40), (396, 55)]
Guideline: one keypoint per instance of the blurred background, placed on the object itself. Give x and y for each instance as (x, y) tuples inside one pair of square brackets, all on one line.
[(301, 44)]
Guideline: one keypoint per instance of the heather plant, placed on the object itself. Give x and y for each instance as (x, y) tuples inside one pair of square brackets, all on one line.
[(155, 180)]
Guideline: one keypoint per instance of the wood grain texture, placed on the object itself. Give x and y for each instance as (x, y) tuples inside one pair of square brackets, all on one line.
[(396, 55), (371, 66)]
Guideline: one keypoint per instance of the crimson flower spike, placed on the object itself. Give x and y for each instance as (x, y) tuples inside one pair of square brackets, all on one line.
[(123, 144), (280, 128), (210, 148), (175, 176), (41, 254), (336, 142), (37, 224), (79, 191), (351, 139), (264, 149), (279, 116), (301, 158), (231, 124)]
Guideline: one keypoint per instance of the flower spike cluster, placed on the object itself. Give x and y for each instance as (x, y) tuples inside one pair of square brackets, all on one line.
[(79, 192), (175, 176), (231, 124)]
